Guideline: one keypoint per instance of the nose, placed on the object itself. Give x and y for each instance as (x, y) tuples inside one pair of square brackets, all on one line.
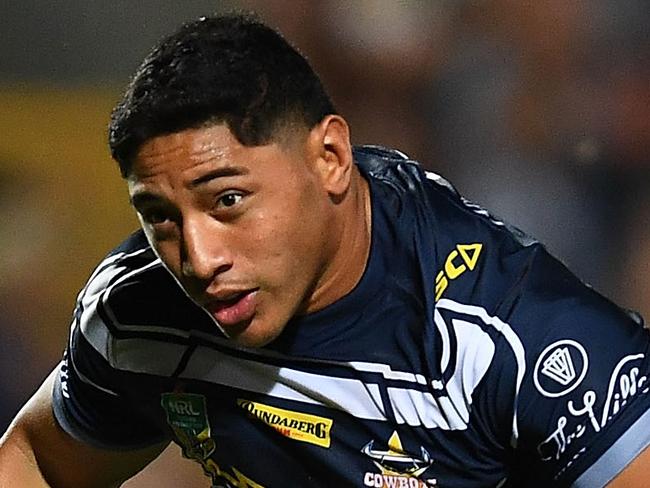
[(204, 253)]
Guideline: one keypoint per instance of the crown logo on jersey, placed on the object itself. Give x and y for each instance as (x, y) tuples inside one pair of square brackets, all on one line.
[(559, 366)]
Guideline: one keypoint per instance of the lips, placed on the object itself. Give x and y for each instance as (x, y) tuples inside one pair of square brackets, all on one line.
[(235, 309)]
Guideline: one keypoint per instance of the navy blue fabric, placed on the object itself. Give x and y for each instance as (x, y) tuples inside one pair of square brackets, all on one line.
[(542, 373)]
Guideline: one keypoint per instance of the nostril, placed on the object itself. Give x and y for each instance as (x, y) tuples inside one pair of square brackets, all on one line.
[(186, 269), (204, 273), (223, 268)]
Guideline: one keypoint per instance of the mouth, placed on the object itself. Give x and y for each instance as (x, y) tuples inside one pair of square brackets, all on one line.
[(233, 309)]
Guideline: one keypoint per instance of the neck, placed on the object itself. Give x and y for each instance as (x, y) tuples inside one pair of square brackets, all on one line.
[(351, 251)]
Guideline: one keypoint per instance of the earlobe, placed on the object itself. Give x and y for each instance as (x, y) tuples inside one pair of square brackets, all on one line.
[(335, 162)]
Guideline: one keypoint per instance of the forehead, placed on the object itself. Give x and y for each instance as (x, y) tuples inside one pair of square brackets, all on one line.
[(187, 160), (187, 149)]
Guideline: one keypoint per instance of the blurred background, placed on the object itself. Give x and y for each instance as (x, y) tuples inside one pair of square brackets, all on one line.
[(539, 110)]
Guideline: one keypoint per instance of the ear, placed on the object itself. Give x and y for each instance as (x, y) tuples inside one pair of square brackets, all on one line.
[(329, 142)]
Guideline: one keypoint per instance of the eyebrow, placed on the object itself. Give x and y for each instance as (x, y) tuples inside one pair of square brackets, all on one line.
[(219, 173), (143, 197)]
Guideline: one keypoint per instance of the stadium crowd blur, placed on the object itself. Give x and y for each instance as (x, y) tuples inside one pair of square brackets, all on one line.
[(538, 110)]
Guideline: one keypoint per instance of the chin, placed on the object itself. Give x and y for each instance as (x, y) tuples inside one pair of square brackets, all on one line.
[(254, 335)]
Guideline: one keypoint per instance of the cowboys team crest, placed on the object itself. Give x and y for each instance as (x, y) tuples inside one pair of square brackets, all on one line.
[(396, 466)]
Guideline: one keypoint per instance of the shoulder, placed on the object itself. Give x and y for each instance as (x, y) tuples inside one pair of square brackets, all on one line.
[(439, 207), (127, 270), (467, 253), (132, 303)]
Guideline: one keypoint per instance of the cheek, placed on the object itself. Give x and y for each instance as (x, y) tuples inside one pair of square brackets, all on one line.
[(169, 254), (166, 250), (283, 239), (275, 245), (267, 238)]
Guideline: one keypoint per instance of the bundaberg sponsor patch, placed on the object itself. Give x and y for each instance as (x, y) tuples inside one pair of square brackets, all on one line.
[(294, 425)]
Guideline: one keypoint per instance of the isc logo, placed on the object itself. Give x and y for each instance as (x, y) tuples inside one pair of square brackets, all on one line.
[(464, 257)]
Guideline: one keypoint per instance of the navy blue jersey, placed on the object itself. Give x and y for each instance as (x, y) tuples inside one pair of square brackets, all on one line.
[(466, 356)]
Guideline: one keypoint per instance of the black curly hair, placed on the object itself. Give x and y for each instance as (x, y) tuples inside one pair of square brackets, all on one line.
[(230, 69)]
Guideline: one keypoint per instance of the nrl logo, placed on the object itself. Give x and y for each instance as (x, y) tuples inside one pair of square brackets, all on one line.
[(187, 416)]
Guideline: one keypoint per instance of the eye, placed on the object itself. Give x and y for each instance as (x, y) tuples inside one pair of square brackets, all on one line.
[(229, 199), (161, 225), (155, 217)]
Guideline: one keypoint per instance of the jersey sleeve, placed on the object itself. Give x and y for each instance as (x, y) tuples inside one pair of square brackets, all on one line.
[(582, 409), (93, 401)]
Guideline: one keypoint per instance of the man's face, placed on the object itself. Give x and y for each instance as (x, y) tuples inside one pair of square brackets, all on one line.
[(243, 229)]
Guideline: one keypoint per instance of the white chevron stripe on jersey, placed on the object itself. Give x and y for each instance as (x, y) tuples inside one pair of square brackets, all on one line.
[(114, 258), (511, 338), (104, 267), (118, 352), (447, 409), (361, 399), (444, 336), (92, 327), (387, 372), (474, 353)]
